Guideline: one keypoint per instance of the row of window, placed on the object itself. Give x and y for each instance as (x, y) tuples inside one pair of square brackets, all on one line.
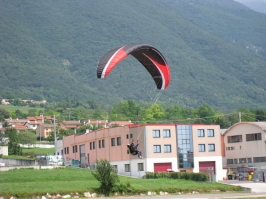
[(201, 147), (157, 134), (201, 133), (249, 137), (127, 167), (246, 160), (101, 143), (157, 148)]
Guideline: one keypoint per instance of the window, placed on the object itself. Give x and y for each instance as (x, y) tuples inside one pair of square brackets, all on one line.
[(127, 167), (115, 167), (118, 141), (259, 159), (210, 133), (157, 148), (235, 138), (227, 148), (67, 150), (211, 147), (235, 161), (242, 160), (112, 141), (131, 136), (156, 133), (201, 133), (167, 148), (229, 161), (100, 143), (232, 148), (140, 167), (127, 136), (93, 145), (201, 147), (249, 160), (253, 137), (90, 145), (166, 133)]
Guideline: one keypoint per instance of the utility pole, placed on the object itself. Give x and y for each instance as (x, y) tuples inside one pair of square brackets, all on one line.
[(54, 137)]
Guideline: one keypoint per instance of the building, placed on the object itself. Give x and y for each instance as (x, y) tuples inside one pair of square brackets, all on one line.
[(4, 150), (72, 124), (44, 130), (165, 147), (245, 145)]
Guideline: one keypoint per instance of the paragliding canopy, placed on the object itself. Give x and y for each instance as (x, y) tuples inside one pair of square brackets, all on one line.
[(147, 55)]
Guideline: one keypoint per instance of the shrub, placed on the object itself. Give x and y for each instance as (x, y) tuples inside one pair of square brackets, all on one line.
[(106, 175), (177, 175)]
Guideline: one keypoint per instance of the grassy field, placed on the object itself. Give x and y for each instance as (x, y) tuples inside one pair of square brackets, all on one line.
[(25, 183), (23, 109), (39, 151)]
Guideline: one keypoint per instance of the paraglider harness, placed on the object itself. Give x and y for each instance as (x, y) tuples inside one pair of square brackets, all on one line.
[(132, 149)]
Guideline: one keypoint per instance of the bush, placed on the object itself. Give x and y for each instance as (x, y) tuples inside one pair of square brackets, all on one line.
[(177, 175)]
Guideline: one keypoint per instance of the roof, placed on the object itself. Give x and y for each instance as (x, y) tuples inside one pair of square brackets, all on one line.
[(121, 123), (68, 126), (97, 122), (35, 122), (31, 118), (261, 125), (17, 121), (18, 127), (67, 123)]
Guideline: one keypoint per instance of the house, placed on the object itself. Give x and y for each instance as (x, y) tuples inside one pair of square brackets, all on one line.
[(165, 147), (92, 123), (5, 101), (119, 123), (70, 124), (244, 145), (44, 130), (15, 122)]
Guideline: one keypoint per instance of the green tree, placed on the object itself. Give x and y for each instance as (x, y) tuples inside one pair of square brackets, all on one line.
[(27, 137), (153, 113), (106, 175), (206, 114), (13, 142), (33, 112), (3, 114)]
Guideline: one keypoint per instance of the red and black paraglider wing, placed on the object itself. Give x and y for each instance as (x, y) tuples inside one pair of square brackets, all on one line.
[(149, 56)]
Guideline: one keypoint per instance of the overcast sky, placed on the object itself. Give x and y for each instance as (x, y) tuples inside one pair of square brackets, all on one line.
[(257, 5)]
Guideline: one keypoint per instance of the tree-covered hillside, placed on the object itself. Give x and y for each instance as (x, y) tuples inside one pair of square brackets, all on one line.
[(215, 49)]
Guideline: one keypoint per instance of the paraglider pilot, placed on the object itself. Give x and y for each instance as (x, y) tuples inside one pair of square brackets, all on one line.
[(133, 149)]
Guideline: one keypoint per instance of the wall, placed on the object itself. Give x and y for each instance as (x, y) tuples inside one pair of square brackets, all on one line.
[(14, 162), (4, 150)]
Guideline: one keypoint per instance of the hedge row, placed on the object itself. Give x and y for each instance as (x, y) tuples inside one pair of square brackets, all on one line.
[(178, 175)]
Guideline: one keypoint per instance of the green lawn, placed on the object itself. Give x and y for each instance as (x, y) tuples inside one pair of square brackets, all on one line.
[(25, 183), (23, 109), (39, 151)]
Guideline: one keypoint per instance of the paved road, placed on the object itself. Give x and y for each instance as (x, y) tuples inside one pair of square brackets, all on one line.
[(256, 187)]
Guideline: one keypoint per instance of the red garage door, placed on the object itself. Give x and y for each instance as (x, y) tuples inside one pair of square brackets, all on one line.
[(203, 166), (162, 166)]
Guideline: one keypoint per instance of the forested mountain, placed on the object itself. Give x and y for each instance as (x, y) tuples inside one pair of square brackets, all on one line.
[(216, 51)]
